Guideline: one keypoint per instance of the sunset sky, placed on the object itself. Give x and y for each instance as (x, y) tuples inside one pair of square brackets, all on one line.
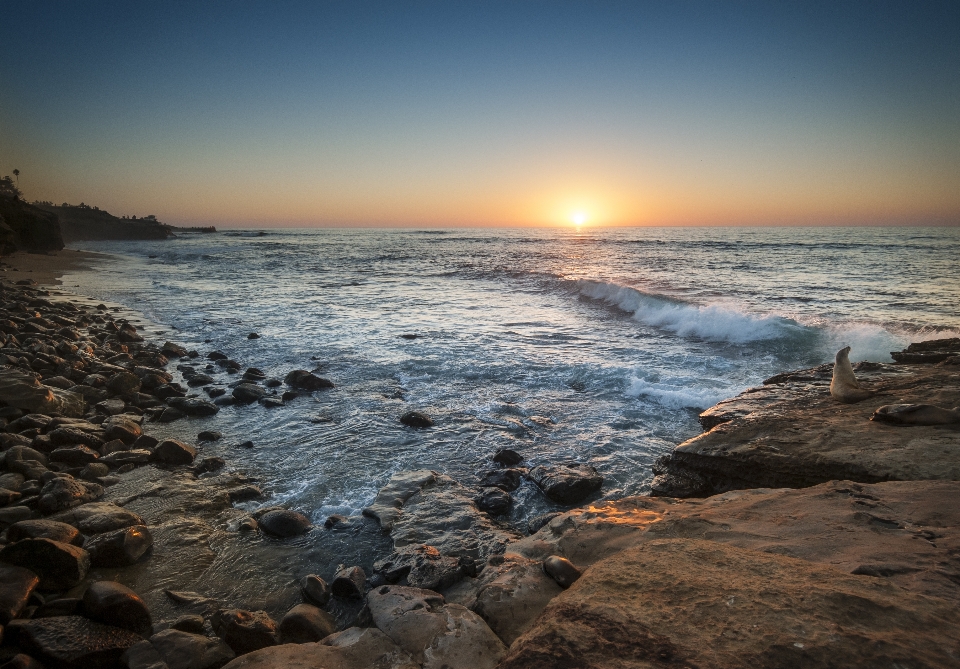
[(487, 113)]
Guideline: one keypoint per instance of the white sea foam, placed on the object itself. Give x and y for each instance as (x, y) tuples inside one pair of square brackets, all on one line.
[(679, 395), (713, 322)]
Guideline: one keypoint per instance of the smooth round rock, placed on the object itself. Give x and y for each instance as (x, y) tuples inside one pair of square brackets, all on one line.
[(245, 631), (190, 623), (110, 603), (119, 548), (284, 523), (507, 457), (315, 589), (349, 583), (174, 452), (247, 393), (561, 570), (44, 529), (209, 435), (494, 501), (416, 419), (59, 566), (305, 623), (304, 380)]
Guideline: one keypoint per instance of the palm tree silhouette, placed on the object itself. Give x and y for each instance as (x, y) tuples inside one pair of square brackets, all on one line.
[(16, 173)]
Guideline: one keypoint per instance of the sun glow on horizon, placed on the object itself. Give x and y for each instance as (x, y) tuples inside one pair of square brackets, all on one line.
[(578, 218)]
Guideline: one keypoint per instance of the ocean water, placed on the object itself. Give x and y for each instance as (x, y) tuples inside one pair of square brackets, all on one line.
[(600, 346)]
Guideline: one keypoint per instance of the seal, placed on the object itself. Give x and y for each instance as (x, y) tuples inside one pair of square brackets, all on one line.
[(916, 414), (844, 386)]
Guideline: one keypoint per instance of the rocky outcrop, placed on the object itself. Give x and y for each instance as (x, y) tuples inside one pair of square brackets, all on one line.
[(83, 223), (28, 228)]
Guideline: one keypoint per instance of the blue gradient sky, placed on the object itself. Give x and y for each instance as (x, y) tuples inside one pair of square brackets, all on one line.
[(519, 113)]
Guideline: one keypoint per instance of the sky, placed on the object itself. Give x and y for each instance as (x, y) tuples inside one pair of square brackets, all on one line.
[(243, 114)]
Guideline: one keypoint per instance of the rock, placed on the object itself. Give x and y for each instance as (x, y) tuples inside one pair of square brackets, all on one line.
[(76, 455), (211, 464), (65, 606), (190, 623), (700, 603), (111, 407), (209, 435), (171, 414), (200, 380), (123, 428), (14, 514), (354, 648), (72, 642), (59, 382), (124, 383), (22, 390), (289, 395), (245, 493), (423, 566), (120, 459), (505, 479), (173, 452), (119, 548), (304, 380), (435, 634), (8, 497), (305, 623), (494, 501), (284, 523), (535, 523), (271, 402), (180, 649), (253, 335), (315, 589), (94, 471), (247, 393), (254, 373), (16, 586), (507, 458), (66, 492), (416, 419), (193, 406), (172, 350), (44, 529), (113, 604), (146, 442), (69, 436), (245, 631), (248, 525), (273, 383), (349, 582), (11, 481), (59, 566), (561, 570), (567, 483), (99, 517)]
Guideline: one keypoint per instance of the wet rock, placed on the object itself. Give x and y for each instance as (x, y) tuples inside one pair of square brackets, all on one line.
[(537, 522), (248, 525), (273, 383), (123, 428), (14, 514), (113, 604), (423, 566), (561, 570), (66, 492), (349, 583), (209, 435), (124, 383), (355, 648), (11, 481), (253, 335), (8, 497), (94, 471), (59, 566), (190, 623), (304, 380), (169, 391), (494, 501), (198, 380), (76, 455), (119, 548), (68, 436), (245, 493), (505, 479), (254, 373), (145, 441), (289, 395), (193, 406), (247, 393), (99, 517), (245, 631), (44, 529), (271, 402), (16, 586), (111, 407), (416, 419), (211, 464), (64, 606), (180, 649), (507, 458), (284, 523), (226, 401), (315, 589), (435, 634), (131, 458), (172, 350), (171, 414), (72, 642), (174, 452), (567, 483), (305, 623)]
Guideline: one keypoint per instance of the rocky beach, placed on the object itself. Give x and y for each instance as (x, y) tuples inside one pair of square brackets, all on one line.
[(794, 531)]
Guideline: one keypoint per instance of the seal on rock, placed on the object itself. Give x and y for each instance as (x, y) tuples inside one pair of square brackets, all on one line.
[(916, 414), (844, 386)]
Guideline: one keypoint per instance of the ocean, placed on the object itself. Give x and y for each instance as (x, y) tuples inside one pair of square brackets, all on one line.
[(599, 346)]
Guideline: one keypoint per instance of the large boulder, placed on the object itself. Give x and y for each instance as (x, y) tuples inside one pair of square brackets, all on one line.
[(16, 586), (99, 517), (245, 631), (700, 603), (59, 566), (354, 648), (23, 390), (123, 428), (124, 383), (304, 380), (193, 406), (284, 523), (44, 529), (64, 492), (72, 642), (119, 548), (305, 624), (247, 393), (423, 566), (114, 604), (176, 649), (567, 483), (174, 452)]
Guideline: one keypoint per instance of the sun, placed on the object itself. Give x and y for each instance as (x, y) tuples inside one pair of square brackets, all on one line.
[(578, 218)]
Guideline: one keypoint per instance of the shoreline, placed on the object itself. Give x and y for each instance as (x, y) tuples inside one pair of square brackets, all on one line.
[(533, 601)]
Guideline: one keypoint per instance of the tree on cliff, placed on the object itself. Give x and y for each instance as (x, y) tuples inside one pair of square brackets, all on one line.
[(16, 173), (8, 189)]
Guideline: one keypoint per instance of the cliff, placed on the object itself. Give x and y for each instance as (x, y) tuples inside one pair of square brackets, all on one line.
[(83, 223), (27, 228)]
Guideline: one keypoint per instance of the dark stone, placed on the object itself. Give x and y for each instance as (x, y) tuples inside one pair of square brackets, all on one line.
[(200, 380), (284, 523), (304, 380), (245, 631), (244, 444), (416, 419), (507, 457), (120, 459), (209, 435), (94, 471), (423, 566), (75, 455), (245, 493), (305, 623), (122, 428), (271, 402), (16, 586), (145, 441), (273, 383), (217, 355), (315, 589), (289, 395), (349, 582), (409, 336), (253, 335), (174, 452), (119, 548), (190, 623), (59, 566), (72, 642), (169, 390), (65, 492), (494, 501), (67, 436), (254, 373), (247, 393), (215, 392), (44, 529), (505, 479), (65, 606), (111, 407), (172, 350), (113, 604), (211, 464), (561, 570), (193, 406), (567, 483), (171, 414), (226, 401), (534, 524), (124, 383), (334, 520)]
